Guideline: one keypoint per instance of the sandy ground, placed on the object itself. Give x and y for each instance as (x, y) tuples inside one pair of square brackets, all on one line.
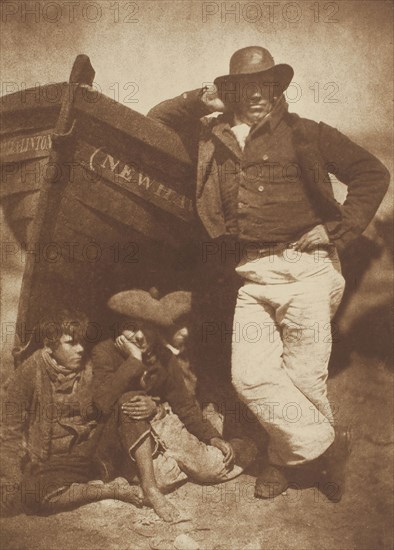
[(227, 516)]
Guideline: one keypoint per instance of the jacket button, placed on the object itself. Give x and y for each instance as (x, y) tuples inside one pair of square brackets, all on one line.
[(261, 188), (241, 204), (265, 157)]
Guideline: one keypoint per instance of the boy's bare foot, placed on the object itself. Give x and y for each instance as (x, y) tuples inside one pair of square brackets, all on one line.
[(125, 492), (163, 508)]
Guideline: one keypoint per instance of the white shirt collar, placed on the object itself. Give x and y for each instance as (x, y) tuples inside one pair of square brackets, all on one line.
[(241, 132), (173, 350)]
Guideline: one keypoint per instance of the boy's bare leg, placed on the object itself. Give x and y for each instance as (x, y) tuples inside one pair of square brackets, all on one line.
[(154, 498), (79, 494)]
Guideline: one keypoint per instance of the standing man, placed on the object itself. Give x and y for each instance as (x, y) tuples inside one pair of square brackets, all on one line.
[(262, 180)]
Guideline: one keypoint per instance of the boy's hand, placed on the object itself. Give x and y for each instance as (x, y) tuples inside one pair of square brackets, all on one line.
[(226, 449), (140, 407), (128, 348), (212, 100)]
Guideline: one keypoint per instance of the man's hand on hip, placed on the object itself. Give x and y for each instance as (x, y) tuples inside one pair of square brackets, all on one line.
[(311, 239)]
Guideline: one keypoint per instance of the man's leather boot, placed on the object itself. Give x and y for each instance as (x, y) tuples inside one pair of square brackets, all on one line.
[(270, 483), (333, 465)]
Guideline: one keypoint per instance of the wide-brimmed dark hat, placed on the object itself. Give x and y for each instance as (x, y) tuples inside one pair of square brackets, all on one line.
[(257, 64), (140, 305)]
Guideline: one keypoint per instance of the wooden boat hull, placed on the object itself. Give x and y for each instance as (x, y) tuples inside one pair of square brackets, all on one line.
[(99, 195)]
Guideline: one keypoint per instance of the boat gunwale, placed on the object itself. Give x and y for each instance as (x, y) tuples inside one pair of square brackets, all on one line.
[(149, 132), (24, 100)]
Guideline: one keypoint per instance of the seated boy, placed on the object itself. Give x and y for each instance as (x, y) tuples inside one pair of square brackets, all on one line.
[(50, 435), (136, 372)]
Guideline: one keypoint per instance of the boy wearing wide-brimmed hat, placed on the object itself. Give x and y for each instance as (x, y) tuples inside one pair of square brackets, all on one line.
[(263, 186), (136, 372)]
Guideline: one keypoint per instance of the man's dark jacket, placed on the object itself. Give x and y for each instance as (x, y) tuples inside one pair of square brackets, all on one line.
[(320, 150)]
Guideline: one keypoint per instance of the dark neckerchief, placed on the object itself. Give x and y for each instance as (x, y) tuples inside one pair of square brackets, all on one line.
[(156, 360)]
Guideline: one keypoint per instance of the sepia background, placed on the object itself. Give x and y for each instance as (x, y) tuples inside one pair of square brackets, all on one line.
[(147, 51)]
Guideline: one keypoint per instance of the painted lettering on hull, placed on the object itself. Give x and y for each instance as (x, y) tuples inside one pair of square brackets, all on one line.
[(130, 176), (25, 146)]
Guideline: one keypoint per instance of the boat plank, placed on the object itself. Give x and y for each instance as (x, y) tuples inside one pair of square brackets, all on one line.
[(101, 224), (149, 132), (23, 206), (23, 177)]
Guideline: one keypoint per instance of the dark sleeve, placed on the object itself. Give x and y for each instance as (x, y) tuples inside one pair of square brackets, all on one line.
[(182, 113), (16, 408), (112, 376), (184, 404), (366, 177)]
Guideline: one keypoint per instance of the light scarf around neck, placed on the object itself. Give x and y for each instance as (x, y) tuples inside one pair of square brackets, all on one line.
[(62, 378)]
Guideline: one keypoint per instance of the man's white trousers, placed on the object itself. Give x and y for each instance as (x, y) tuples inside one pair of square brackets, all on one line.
[(282, 341)]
